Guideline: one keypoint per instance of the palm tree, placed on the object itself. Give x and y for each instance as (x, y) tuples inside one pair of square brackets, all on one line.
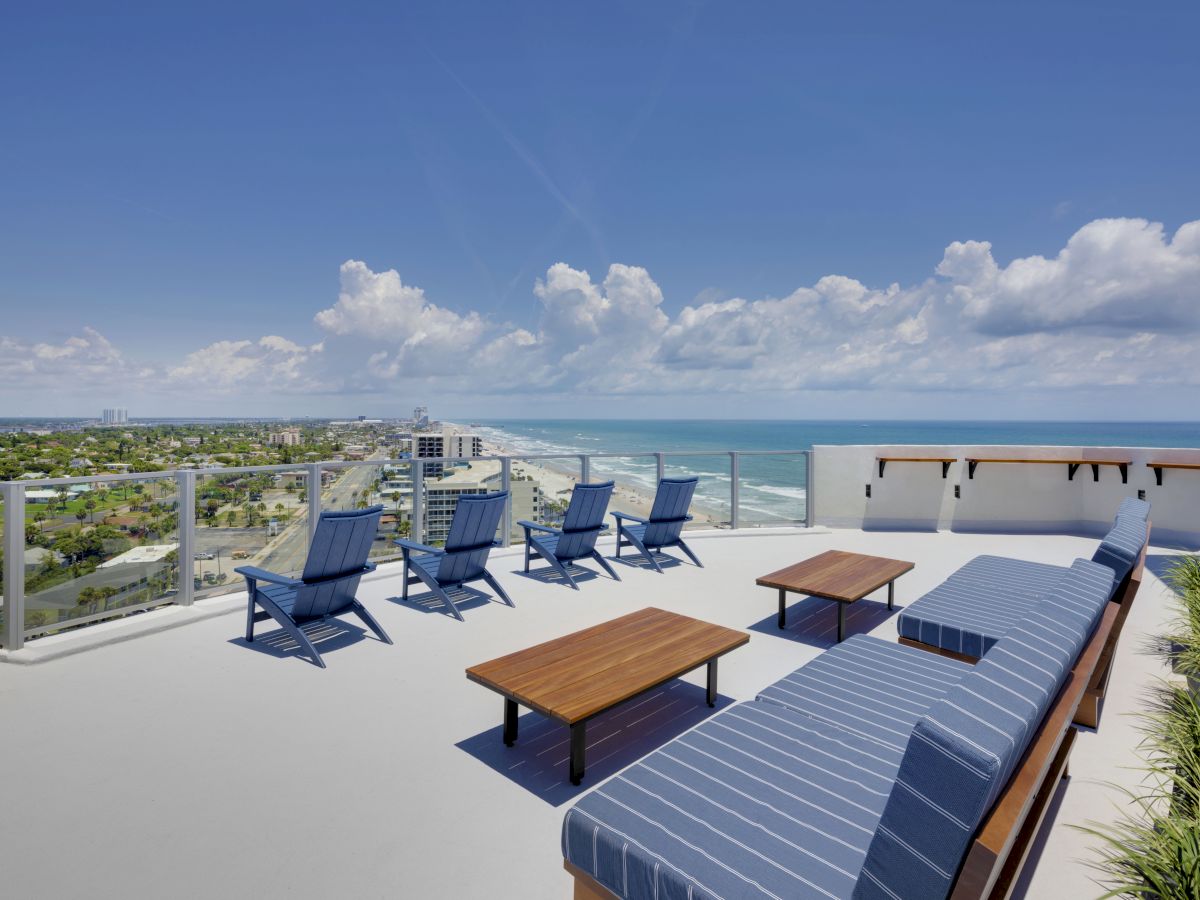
[(90, 505)]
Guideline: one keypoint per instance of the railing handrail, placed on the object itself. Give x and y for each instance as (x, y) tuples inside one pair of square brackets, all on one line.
[(300, 468)]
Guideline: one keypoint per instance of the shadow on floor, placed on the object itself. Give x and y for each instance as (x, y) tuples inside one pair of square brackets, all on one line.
[(635, 560), (547, 575), (1160, 564), (332, 634), (464, 598), (1033, 860), (538, 760), (813, 620)]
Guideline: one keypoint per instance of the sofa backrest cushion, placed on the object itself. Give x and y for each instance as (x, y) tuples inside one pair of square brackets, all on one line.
[(1120, 548), (1132, 506), (964, 750)]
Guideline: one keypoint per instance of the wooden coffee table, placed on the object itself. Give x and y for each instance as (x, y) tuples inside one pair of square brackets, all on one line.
[(577, 677), (837, 575)]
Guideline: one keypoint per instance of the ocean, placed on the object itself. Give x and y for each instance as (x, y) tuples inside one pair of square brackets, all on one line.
[(772, 488)]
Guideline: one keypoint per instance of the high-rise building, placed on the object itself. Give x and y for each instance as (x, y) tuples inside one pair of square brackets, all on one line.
[(115, 416), (421, 417)]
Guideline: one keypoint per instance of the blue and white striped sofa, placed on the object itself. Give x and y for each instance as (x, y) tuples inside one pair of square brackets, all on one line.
[(978, 604), (863, 774)]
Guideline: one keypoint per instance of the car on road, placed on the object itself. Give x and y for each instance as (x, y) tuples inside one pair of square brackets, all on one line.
[(204, 554)]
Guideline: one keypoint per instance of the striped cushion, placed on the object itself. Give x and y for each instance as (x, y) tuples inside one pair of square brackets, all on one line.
[(1132, 506), (963, 752), (758, 801), (978, 604), (874, 689), (1121, 546)]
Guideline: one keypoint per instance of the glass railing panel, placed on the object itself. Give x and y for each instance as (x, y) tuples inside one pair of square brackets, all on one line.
[(710, 504), (248, 519), (773, 490), (389, 485), (99, 550), (3, 563), (541, 490), (635, 478)]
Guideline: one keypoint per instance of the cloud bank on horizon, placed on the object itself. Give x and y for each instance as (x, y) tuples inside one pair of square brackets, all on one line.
[(1118, 305)]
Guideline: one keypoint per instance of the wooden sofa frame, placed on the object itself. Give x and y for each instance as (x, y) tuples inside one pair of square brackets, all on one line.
[(994, 859), (1088, 714)]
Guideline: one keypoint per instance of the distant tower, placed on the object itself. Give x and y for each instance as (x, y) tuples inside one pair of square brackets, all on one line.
[(420, 417)]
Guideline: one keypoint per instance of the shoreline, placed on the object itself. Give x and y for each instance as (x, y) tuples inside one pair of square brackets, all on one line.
[(557, 485)]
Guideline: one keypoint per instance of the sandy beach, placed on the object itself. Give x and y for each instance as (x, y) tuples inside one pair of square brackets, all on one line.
[(557, 485)]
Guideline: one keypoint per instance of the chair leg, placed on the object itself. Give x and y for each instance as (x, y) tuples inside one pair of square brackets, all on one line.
[(564, 570), (449, 604), (692, 556), (301, 638), (404, 584), (645, 551), (527, 553), (495, 586), (250, 619), (361, 612), (604, 565)]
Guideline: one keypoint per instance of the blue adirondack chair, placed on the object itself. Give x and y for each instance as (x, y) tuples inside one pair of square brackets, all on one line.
[(665, 525), (583, 523), (464, 558), (337, 559)]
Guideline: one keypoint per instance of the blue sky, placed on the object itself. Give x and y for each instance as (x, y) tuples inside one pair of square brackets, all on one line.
[(177, 177)]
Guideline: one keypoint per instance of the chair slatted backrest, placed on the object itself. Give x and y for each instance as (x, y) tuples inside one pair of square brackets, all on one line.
[(472, 532), (584, 519), (670, 510), (339, 546)]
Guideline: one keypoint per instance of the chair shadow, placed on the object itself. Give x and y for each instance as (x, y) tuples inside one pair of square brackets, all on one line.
[(635, 560), (331, 634), (813, 620), (538, 760), (464, 598), (547, 575)]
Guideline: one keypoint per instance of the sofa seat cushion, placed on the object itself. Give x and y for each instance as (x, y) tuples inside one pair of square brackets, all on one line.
[(978, 604), (871, 688), (758, 801)]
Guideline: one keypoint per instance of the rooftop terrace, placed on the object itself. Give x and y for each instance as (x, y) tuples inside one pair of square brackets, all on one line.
[(187, 763)]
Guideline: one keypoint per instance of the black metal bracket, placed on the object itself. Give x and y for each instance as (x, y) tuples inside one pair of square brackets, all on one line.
[(945, 467), (882, 463), (1124, 467), (1072, 468), (1158, 475), (971, 464), (1095, 472)]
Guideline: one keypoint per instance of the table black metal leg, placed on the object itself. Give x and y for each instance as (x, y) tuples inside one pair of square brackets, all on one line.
[(712, 682), (841, 621), (891, 593), (510, 722), (782, 607), (578, 748)]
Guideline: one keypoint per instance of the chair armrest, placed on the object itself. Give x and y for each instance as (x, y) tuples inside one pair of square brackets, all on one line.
[(253, 573), (342, 576), (534, 526), (620, 515), (414, 547)]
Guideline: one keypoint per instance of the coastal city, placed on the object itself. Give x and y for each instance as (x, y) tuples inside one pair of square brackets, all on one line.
[(101, 549)]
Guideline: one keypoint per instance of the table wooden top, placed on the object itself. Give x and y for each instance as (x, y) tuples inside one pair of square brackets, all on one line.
[(574, 677), (837, 575)]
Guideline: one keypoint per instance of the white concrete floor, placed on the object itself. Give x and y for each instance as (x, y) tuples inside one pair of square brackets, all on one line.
[(186, 764)]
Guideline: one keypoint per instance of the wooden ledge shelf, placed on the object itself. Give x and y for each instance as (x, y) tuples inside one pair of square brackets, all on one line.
[(1071, 464), (944, 460), (1159, 466)]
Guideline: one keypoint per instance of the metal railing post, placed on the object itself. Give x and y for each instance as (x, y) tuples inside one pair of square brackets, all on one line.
[(13, 636), (585, 468), (809, 516), (660, 465), (733, 489), (506, 485), (313, 480), (185, 484), (417, 529)]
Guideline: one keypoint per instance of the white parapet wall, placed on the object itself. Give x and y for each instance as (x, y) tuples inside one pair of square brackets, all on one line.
[(1002, 497)]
